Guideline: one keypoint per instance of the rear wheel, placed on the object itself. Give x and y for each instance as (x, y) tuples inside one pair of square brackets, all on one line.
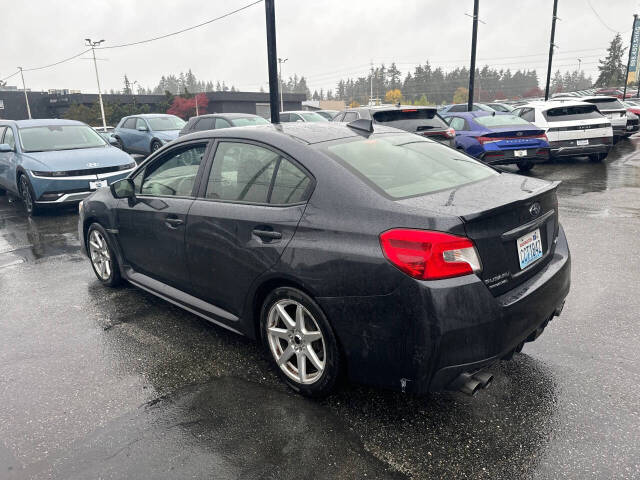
[(597, 157), (103, 260), (27, 196), (525, 166), (301, 342)]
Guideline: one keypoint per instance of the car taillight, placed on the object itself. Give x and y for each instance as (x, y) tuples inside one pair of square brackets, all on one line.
[(484, 140), (450, 133), (427, 255)]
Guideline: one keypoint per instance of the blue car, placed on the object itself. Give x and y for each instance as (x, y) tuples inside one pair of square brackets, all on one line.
[(146, 133), (499, 138), (55, 162)]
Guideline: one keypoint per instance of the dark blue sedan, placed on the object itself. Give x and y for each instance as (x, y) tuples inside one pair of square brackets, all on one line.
[(499, 139)]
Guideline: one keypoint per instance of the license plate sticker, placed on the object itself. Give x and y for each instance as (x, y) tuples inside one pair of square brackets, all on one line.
[(98, 184), (520, 153), (582, 142), (529, 248)]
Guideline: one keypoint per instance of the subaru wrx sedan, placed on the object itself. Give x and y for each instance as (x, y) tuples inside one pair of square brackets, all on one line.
[(55, 162), (380, 253)]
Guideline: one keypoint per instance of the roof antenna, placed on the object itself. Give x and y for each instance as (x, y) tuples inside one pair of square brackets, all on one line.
[(362, 124)]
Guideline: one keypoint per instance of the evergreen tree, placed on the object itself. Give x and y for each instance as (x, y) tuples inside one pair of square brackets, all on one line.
[(612, 69)]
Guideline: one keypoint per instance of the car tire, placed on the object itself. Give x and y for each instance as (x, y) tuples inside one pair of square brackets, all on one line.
[(3, 192), (294, 329), (525, 166), (26, 194), (597, 157), (155, 145), (103, 259)]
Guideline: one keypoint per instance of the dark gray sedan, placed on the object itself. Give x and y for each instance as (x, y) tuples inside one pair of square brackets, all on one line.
[(382, 254)]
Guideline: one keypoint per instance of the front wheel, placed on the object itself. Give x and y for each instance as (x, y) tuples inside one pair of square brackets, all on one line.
[(26, 193), (301, 342), (525, 166), (103, 260), (155, 145)]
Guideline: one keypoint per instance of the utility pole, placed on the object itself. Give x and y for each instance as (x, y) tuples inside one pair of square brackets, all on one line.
[(24, 89), (551, 47), (626, 74), (280, 62), (272, 57), (371, 87), (579, 64), (474, 41), (93, 46)]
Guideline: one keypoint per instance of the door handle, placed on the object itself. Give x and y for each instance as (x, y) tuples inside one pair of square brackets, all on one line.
[(173, 222), (267, 235)]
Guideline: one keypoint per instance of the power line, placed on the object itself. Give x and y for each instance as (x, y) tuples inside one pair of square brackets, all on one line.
[(600, 18), (153, 39)]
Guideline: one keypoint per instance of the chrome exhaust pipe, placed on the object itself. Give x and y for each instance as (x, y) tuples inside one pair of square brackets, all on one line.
[(485, 378), (471, 386)]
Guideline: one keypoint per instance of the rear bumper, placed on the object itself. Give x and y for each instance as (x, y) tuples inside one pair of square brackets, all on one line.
[(507, 157), (423, 335), (574, 150)]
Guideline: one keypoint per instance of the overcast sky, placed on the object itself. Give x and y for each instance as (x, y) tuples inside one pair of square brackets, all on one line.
[(324, 40)]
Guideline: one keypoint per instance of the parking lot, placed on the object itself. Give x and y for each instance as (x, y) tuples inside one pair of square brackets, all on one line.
[(101, 383)]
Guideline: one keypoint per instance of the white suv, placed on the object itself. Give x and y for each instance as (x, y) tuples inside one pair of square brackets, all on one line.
[(572, 127), (611, 108)]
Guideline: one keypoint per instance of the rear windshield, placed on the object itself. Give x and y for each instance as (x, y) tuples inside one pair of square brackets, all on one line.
[(411, 119), (500, 120), (607, 103), (243, 122), (159, 124), (59, 137), (577, 112), (312, 117), (406, 165)]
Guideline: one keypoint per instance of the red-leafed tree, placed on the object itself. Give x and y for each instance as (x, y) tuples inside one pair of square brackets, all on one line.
[(186, 107), (533, 92)]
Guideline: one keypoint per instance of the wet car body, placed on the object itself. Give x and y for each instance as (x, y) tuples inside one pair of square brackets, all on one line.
[(499, 139), (393, 330), (57, 176)]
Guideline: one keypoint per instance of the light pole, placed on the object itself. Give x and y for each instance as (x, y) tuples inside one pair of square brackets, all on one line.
[(551, 47), (579, 64), (280, 62), (24, 89), (93, 46), (133, 93)]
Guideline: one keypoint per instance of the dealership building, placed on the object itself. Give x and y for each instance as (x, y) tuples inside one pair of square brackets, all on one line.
[(54, 104)]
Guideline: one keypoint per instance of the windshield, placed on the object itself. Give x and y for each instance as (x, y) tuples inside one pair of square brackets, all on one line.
[(159, 124), (312, 117), (59, 137), (500, 120), (499, 108), (406, 165), (411, 119), (246, 121)]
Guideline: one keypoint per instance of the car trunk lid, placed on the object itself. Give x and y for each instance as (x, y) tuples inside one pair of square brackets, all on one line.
[(496, 212)]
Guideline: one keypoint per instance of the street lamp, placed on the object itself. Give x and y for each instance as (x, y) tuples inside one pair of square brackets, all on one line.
[(280, 62), (93, 46), (24, 89)]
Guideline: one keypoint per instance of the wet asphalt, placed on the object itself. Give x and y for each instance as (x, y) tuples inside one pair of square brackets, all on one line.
[(115, 383)]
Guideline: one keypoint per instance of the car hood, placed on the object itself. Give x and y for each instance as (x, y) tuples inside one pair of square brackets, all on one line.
[(167, 134), (80, 159)]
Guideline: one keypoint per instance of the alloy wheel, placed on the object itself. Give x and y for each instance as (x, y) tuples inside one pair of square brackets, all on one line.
[(100, 256), (26, 194), (296, 341)]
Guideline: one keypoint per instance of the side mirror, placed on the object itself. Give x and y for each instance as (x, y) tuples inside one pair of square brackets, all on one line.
[(123, 188), (113, 141), (142, 128), (5, 147)]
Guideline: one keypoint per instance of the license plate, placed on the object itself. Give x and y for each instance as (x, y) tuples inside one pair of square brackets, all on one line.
[(582, 142), (520, 153), (529, 248), (98, 184)]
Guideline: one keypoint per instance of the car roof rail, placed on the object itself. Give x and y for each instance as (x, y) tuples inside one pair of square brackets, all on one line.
[(362, 124)]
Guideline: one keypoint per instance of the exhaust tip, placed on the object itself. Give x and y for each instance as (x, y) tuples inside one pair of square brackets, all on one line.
[(471, 387), (485, 378)]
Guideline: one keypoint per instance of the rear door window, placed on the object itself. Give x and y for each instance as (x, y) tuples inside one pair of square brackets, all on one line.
[(204, 124), (575, 112), (406, 165), (222, 123), (411, 119), (338, 118)]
